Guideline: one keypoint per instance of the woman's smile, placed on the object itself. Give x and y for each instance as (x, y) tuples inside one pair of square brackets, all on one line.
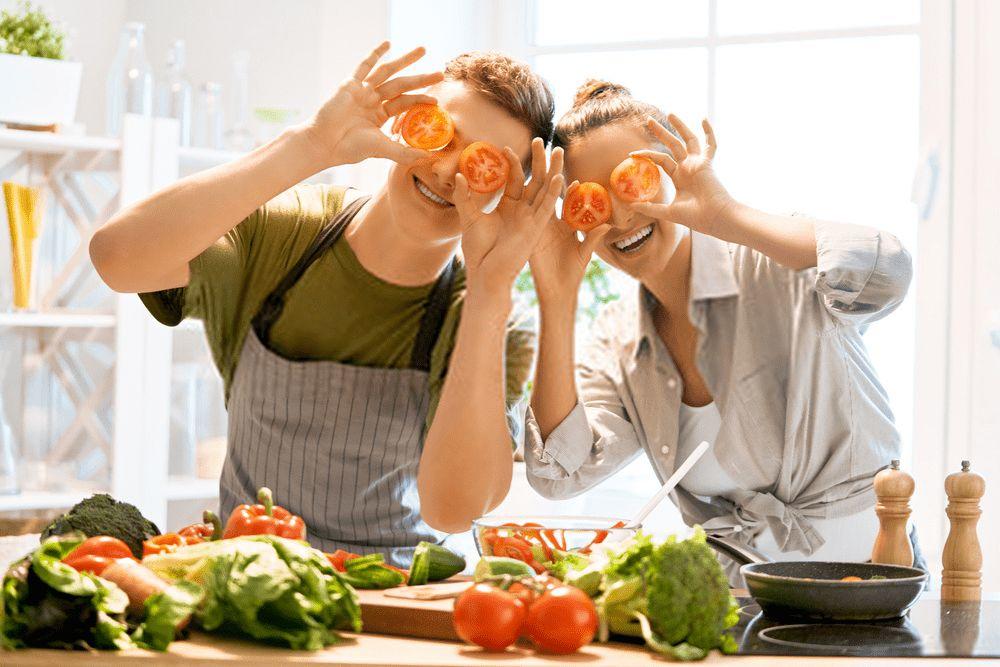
[(427, 194), (632, 242)]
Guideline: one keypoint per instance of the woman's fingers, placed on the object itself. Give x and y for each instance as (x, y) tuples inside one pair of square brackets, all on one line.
[(690, 140), (401, 153), (665, 160), (538, 169), (593, 239), (556, 161), (544, 204), (386, 70), (709, 138), (515, 175), (366, 65), (398, 86), (658, 211), (397, 105), (667, 138)]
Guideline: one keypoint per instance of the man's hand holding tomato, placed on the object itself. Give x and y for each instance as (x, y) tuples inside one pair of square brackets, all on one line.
[(348, 127), (496, 245)]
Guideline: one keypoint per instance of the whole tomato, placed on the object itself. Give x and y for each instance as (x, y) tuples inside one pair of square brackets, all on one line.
[(489, 617), (562, 620)]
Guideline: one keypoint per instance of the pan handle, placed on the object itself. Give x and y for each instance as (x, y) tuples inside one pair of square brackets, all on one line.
[(740, 553)]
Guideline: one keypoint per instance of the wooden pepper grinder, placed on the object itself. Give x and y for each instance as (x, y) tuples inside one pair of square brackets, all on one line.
[(893, 487), (962, 575)]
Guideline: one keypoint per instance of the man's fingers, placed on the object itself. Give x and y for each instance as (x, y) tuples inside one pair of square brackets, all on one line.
[(366, 65), (396, 87), (556, 161), (665, 160), (397, 105), (467, 210), (386, 70), (709, 138), (667, 138), (515, 176), (538, 170), (545, 202), (690, 140)]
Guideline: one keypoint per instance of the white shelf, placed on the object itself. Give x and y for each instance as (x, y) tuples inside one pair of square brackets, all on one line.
[(57, 319), (192, 488), (53, 143), (41, 500)]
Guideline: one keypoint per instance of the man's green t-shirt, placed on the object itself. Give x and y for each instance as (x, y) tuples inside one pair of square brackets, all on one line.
[(337, 311)]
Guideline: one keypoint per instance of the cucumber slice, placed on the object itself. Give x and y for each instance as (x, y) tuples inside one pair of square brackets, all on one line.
[(492, 566)]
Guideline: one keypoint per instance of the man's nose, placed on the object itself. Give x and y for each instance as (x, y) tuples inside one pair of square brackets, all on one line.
[(445, 165)]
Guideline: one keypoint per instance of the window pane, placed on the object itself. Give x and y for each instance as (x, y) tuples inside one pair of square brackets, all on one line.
[(736, 17), (593, 21), (674, 79), (829, 128)]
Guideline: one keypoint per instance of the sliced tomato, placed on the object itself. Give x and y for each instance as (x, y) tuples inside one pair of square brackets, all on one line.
[(586, 206), (338, 559), (427, 126), (484, 166), (636, 179)]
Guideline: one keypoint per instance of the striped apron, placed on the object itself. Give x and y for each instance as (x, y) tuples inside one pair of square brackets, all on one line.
[(338, 444)]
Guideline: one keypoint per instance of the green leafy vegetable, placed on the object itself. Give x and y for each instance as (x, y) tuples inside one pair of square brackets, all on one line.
[(674, 594), (103, 515), (564, 562), (265, 587), (165, 611)]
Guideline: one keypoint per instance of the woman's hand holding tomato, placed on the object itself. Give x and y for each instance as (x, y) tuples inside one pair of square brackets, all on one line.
[(701, 200), (497, 244), (348, 127)]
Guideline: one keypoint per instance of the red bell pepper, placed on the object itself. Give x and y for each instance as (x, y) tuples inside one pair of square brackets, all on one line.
[(265, 518), (96, 553), (209, 531)]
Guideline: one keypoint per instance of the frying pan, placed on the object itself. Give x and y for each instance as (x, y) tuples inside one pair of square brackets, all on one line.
[(813, 590)]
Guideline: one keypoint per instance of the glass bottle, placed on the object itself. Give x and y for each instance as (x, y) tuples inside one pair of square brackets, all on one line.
[(173, 98), (209, 119), (130, 81), (240, 137)]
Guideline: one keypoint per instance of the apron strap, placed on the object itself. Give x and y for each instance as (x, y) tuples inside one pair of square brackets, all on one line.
[(431, 322), (270, 309), (433, 318)]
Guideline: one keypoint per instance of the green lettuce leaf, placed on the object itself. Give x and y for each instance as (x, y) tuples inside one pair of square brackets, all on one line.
[(165, 611)]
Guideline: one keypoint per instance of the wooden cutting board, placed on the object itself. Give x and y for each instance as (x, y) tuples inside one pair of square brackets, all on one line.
[(384, 613)]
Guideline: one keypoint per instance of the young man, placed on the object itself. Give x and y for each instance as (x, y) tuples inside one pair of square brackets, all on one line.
[(370, 377)]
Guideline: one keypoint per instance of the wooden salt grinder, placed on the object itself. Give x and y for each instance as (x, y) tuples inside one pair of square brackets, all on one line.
[(893, 487), (962, 575)]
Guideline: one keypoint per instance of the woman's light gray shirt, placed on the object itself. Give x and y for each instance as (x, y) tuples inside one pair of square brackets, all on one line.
[(806, 424)]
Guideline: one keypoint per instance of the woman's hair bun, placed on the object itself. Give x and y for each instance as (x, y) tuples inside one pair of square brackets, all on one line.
[(594, 89)]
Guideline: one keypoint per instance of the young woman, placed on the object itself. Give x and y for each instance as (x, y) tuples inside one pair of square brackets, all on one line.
[(745, 331), (359, 354)]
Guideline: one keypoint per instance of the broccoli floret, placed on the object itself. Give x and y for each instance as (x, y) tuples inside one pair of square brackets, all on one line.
[(103, 515), (688, 594)]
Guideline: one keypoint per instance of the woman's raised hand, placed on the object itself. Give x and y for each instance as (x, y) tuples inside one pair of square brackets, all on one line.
[(348, 127), (497, 245), (701, 200)]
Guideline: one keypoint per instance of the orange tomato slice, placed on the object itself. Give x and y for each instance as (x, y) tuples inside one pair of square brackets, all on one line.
[(484, 166), (586, 206), (427, 127), (636, 179)]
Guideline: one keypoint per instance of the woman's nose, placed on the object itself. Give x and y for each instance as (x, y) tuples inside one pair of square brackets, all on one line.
[(621, 213)]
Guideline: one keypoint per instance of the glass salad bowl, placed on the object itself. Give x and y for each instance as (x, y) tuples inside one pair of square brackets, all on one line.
[(536, 538)]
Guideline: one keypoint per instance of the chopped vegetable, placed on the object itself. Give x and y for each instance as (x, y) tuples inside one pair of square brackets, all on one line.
[(370, 572), (265, 587), (103, 515), (493, 566), (433, 562), (674, 595), (46, 603), (164, 544), (265, 518), (96, 553)]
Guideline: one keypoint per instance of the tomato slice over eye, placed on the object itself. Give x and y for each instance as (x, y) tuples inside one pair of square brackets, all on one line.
[(427, 126), (636, 179), (484, 166), (586, 206)]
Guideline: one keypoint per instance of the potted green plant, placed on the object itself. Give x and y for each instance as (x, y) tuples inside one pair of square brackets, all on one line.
[(37, 87)]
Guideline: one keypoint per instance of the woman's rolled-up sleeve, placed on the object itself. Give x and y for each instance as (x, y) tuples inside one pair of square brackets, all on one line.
[(862, 274), (595, 440)]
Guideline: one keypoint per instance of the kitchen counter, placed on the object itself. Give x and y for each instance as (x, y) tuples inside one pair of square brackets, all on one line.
[(930, 629)]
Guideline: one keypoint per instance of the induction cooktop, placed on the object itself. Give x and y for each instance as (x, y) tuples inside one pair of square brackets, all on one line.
[(931, 628)]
